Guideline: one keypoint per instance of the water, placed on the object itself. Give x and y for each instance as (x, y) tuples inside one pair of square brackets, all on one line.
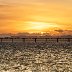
[(36, 57)]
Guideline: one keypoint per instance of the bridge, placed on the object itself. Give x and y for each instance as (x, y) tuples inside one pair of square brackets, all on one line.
[(35, 39)]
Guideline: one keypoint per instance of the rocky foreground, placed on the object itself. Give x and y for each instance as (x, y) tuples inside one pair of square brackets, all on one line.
[(35, 57)]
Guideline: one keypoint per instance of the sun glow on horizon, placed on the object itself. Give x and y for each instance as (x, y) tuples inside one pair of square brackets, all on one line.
[(40, 26)]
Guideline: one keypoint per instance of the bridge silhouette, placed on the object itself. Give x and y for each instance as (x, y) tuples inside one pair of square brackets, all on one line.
[(35, 39)]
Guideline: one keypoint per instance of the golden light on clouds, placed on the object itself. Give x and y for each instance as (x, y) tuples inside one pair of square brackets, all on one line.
[(40, 25), (35, 15)]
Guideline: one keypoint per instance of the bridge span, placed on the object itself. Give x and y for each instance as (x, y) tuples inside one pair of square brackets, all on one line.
[(34, 39)]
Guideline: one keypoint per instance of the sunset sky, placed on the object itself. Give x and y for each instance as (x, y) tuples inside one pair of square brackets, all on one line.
[(35, 15)]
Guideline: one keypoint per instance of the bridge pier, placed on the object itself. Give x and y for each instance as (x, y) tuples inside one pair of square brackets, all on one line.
[(57, 39), (68, 39), (23, 40), (35, 40), (1, 39)]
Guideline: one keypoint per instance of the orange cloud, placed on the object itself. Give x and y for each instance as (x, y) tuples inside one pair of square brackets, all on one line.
[(15, 13)]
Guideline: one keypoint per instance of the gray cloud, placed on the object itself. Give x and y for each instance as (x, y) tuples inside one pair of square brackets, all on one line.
[(59, 30)]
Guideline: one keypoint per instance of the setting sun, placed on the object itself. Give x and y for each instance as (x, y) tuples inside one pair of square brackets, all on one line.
[(35, 16), (40, 26), (37, 25)]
